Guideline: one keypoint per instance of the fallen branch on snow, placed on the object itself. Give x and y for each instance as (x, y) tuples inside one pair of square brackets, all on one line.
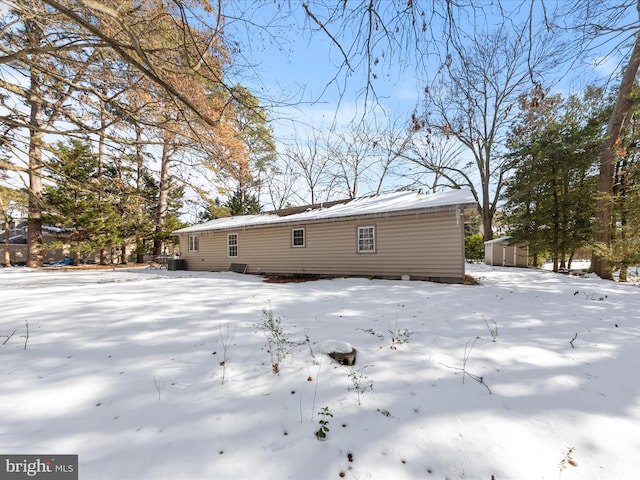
[(571, 341), (8, 337)]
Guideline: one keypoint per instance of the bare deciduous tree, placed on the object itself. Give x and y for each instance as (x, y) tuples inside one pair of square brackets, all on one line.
[(471, 98), (280, 182), (309, 158), (434, 163)]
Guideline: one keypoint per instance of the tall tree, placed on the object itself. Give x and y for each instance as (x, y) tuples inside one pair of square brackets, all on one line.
[(390, 141), (432, 161), (362, 156), (310, 161), (241, 204), (60, 48), (35, 104), (625, 247), (131, 29), (350, 158), (471, 101), (73, 202), (624, 250), (256, 134), (550, 197), (280, 181), (618, 123)]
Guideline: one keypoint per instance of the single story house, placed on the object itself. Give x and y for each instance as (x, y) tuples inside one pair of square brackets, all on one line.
[(390, 235), (503, 252)]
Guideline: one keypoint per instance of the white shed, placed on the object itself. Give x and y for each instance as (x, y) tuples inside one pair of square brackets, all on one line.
[(503, 252)]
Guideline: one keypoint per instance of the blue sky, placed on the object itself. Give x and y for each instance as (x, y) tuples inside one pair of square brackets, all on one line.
[(300, 69), (296, 71), (296, 67)]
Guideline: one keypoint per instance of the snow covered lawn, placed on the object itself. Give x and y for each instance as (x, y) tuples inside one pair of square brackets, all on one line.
[(150, 374)]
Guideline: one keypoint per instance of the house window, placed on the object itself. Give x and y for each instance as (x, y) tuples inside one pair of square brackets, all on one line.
[(366, 239), (297, 237), (193, 243), (232, 245)]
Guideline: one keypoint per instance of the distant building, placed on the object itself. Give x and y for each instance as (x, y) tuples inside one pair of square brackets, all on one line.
[(502, 252), (18, 243)]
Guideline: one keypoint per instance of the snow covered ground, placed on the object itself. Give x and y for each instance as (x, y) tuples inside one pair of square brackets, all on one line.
[(149, 374)]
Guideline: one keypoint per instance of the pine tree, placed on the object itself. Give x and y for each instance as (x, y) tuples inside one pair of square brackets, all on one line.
[(241, 204), (550, 197), (73, 202), (213, 209)]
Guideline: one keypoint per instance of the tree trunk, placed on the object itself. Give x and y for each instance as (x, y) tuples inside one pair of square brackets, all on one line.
[(604, 201), (34, 223), (487, 216), (483, 161), (33, 33), (101, 142), (487, 223), (163, 200), (556, 224), (623, 273), (140, 242), (7, 235)]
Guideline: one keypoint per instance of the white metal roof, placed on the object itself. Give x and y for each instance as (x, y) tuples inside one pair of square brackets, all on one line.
[(497, 240), (403, 201)]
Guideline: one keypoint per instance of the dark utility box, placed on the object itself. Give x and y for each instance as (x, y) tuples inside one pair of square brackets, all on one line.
[(176, 264)]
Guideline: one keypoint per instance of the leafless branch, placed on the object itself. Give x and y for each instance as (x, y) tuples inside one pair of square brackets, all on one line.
[(8, 337)]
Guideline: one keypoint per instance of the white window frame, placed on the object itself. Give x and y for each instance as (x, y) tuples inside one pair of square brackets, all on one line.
[(233, 245), (360, 240), (194, 243), (293, 238)]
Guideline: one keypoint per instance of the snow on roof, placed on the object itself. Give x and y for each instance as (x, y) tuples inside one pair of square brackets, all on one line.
[(53, 229), (374, 205), (497, 240)]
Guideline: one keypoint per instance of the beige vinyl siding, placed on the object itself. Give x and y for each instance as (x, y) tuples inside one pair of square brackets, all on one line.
[(421, 245)]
